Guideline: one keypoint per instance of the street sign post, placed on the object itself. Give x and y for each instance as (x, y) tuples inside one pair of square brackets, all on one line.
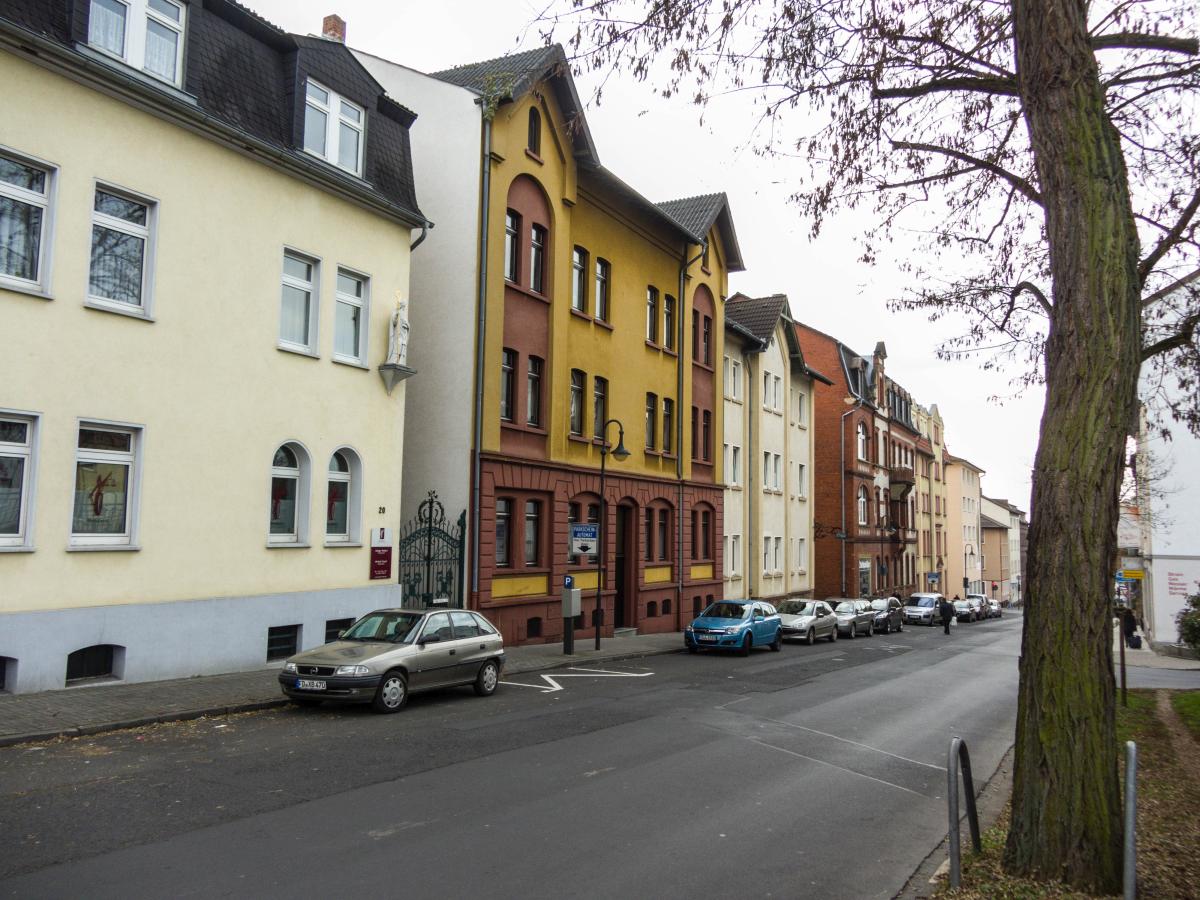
[(584, 539)]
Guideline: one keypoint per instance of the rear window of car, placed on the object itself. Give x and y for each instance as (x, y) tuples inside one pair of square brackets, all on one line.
[(485, 627), (846, 606), (925, 602)]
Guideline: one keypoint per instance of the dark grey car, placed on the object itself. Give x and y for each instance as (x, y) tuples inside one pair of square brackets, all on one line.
[(390, 653), (889, 615)]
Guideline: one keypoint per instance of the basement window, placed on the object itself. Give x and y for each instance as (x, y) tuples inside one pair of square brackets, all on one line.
[(100, 662), (282, 641), (334, 627)]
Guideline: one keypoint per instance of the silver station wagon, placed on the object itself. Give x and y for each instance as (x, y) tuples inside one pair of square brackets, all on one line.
[(390, 653)]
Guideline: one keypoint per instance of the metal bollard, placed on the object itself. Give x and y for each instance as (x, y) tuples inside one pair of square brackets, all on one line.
[(1130, 820), (958, 752)]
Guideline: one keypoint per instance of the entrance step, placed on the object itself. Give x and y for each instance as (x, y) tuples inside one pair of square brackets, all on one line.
[(624, 632)]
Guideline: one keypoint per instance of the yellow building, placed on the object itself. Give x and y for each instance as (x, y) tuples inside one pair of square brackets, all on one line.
[(574, 301), (197, 282)]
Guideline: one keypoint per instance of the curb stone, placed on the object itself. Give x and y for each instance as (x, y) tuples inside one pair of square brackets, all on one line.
[(72, 731)]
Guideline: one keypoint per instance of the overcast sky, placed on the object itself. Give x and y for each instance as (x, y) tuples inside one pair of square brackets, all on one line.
[(664, 150)]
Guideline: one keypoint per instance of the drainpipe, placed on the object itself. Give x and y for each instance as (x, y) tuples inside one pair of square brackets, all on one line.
[(751, 468), (842, 434), (485, 175), (679, 412), (425, 226)]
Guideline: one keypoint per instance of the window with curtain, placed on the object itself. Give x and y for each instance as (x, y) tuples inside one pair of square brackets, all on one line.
[(298, 313), (599, 406), (652, 314), (533, 519), (289, 495), (651, 421), (121, 231), (145, 34), (668, 425), (342, 497), (24, 207), (503, 531), (350, 318), (578, 382), (862, 506)]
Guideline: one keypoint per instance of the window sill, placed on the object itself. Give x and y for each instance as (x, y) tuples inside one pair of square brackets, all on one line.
[(650, 451), (102, 548), (772, 411), (702, 365), (17, 548), (603, 323), (537, 159), (580, 314), (668, 455), (333, 545), (733, 487), (299, 351), (132, 312), (28, 289), (669, 351), (579, 439), (289, 545), (650, 345), (352, 363), (524, 429)]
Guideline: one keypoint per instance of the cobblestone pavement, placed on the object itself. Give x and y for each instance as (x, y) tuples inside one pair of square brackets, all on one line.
[(108, 706)]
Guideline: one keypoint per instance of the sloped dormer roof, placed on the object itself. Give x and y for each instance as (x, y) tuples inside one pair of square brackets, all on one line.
[(698, 214), (757, 317)]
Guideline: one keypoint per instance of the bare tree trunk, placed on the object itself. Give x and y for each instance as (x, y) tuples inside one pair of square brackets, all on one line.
[(1066, 822)]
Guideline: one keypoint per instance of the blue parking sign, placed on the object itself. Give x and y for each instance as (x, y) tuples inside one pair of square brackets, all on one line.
[(584, 538)]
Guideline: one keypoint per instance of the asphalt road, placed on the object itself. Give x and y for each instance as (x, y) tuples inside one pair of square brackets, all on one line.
[(817, 771)]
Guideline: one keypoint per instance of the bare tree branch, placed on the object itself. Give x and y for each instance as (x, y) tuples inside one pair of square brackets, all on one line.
[(1181, 338), (1015, 180), (1169, 239), (1138, 41), (1031, 288), (1171, 288), (1002, 86)]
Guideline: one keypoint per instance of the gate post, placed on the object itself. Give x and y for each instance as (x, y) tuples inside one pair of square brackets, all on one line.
[(462, 556)]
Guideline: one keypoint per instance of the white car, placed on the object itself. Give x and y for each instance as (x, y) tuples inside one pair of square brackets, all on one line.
[(923, 609)]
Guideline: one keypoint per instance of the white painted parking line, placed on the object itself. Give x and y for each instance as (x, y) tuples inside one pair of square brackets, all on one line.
[(857, 744), (833, 766), (552, 686)]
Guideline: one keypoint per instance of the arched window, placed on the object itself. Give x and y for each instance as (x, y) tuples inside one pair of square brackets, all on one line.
[(535, 132), (862, 441), (862, 505), (289, 495), (96, 662), (651, 610), (343, 497), (666, 606)]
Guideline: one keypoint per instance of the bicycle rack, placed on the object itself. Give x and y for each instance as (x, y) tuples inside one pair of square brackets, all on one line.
[(958, 753)]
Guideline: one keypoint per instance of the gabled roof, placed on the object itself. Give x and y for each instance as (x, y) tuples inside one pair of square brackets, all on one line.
[(988, 522), (696, 215), (510, 77), (756, 318)]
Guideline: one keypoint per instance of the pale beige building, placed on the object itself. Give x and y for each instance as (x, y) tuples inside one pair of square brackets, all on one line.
[(964, 559), (197, 448)]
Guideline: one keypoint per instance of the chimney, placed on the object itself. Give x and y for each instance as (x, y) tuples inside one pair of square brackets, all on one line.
[(334, 28)]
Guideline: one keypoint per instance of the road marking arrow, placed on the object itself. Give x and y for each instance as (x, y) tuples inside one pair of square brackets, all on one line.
[(551, 681)]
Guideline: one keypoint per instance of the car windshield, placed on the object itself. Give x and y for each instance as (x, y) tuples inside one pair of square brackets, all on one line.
[(925, 602), (727, 611), (846, 606), (879, 604), (798, 608), (959, 604), (395, 627)]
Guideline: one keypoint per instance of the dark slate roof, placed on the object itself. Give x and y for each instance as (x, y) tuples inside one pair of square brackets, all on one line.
[(988, 522), (758, 316), (244, 80), (510, 77), (698, 214)]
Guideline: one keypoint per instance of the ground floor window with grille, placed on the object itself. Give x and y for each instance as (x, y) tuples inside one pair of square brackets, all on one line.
[(334, 628), (282, 641)]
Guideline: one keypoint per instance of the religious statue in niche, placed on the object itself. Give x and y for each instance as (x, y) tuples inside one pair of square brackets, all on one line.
[(398, 334)]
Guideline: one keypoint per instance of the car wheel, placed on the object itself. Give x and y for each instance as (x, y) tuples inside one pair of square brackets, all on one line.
[(833, 635), (899, 627), (853, 631), (887, 627), (392, 693), (811, 637), (870, 629), (487, 679), (745, 650), (777, 644)]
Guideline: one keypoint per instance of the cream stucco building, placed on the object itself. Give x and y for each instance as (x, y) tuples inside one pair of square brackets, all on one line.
[(205, 225), (769, 457), (964, 561)]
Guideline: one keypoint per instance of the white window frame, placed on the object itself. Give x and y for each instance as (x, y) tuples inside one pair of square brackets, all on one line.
[(766, 554), (801, 411), (354, 481), (778, 551), (861, 441), (303, 470), (801, 556), (332, 110), (138, 16), (45, 202), (27, 451), (778, 404), (144, 310), (737, 465), (737, 380), (801, 487), (364, 316), (776, 470), (735, 552), (863, 502), (128, 540), (314, 301)]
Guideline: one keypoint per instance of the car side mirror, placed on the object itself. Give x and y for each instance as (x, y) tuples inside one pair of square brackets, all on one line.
[(342, 634)]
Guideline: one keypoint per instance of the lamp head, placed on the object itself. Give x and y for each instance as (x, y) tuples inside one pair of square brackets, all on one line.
[(619, 452)]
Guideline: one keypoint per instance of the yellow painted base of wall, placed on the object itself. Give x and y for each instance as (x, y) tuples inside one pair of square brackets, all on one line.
[(660, 575), (521, 586), (700, 573)]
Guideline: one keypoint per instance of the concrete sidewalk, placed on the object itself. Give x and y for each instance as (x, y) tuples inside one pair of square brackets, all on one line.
[(108, 706), (1146, 658)]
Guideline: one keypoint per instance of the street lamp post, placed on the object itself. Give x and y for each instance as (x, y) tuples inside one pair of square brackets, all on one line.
[(619, 453)]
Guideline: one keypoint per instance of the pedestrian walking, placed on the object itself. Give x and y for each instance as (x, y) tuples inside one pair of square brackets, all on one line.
[(946, 608), (1128, 625)]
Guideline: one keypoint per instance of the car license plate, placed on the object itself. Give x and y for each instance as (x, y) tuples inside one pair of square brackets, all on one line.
[(708, 639), (303, 684)]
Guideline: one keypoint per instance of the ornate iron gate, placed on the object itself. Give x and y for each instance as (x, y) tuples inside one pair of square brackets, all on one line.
[(430, 554)]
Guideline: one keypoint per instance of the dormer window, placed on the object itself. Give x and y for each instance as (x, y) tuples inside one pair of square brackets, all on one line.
[(145, 34), (333, 128)]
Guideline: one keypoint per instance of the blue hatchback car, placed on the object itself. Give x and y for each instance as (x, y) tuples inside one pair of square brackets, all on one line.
[(735, 625)]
